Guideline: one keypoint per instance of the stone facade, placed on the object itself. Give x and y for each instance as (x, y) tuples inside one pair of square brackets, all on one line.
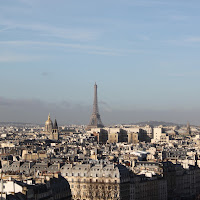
[(152, 188), (98, 181), (133, 138)]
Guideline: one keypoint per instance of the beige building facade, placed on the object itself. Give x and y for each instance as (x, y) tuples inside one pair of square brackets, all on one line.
[(98, 181)]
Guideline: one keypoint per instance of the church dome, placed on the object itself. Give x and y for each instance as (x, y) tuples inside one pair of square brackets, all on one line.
[(48, 125), (49, 122)]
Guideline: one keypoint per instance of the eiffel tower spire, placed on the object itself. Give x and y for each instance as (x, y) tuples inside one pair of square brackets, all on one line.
[(95, 120), (188, 129)]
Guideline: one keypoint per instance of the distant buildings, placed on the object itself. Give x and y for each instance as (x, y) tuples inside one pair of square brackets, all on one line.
[(159, 135), (131, 135)]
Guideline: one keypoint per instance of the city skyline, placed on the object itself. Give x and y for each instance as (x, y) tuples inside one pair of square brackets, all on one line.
[(80, 111), (142, 54)]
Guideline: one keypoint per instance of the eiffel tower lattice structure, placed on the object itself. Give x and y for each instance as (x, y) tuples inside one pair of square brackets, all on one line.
[(95, 120)]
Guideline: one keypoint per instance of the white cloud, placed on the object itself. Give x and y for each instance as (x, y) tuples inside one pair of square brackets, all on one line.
[(178, 17), (177, 75), (192, 39), (19, 58), (86, 48), (27, 2), (146, 3), (5, 29), (183, 41), (53, 31)]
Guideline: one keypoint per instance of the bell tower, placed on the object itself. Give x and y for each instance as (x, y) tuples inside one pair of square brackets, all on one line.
[(55, 133)]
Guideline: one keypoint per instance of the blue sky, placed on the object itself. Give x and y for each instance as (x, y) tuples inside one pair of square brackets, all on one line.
[(143, 54)]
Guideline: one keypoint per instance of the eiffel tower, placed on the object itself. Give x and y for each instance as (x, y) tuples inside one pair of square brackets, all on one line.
[(188, 129), (95, 120)]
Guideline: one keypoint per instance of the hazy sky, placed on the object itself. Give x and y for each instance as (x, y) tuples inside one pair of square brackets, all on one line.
[(143, 54)]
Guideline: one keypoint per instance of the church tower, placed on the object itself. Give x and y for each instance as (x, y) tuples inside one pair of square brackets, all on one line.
[(55, 133)]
